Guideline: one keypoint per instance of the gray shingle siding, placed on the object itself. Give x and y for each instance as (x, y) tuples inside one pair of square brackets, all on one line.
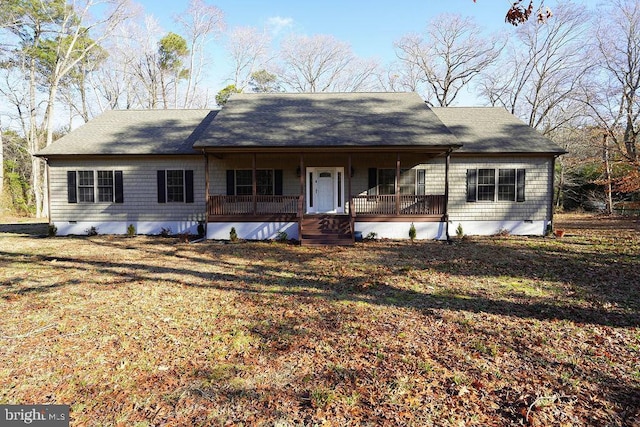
[(139, 190), (537, 202)]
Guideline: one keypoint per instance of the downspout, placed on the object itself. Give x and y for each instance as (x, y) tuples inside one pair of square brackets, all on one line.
[(301, 197), (349, 204), (552, 176), (397, 188), (206, 191), (46, 165), (254, 187), (446, 193)]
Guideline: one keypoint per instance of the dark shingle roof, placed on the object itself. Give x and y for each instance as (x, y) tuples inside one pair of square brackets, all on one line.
[(493, 130), (134, 132), (309, 120)]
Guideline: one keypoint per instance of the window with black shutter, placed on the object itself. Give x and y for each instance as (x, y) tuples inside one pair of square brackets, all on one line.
[(269, 182), (175, 186), (490, 185), (90, 186)]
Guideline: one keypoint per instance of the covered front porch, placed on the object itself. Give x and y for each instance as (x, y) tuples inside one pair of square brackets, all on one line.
[(264, 194)]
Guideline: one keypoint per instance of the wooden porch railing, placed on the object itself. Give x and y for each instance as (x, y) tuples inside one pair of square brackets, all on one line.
[(409, 205), (359, 205), (245, 205)]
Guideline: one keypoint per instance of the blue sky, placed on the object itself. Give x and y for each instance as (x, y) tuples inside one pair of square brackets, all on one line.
[(370, 27)]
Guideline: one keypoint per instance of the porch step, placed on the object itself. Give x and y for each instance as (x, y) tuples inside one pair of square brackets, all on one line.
[(320, 230)]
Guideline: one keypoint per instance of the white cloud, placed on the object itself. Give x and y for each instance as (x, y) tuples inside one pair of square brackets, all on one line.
[(278, 23)]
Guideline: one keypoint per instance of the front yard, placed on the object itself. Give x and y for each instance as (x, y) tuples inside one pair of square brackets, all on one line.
[(486, 331)]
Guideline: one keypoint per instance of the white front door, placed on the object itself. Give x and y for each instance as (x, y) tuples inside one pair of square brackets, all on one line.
[(325, 190)]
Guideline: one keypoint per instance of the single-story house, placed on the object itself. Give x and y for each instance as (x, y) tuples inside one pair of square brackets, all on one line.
[(320, 167)]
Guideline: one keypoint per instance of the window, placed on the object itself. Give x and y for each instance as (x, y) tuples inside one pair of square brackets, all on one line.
[(383, 181), (486, 184), (386, 181), (489, 185), (507, 185), (105, 186), (175, 186), (94, 186), (86, 192), (240, 182), (244, 183)]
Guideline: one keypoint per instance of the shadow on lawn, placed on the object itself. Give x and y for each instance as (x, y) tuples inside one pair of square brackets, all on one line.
[(29, 228), (600, 279), (309, 274)]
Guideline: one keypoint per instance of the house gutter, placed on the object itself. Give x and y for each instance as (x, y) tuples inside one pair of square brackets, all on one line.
[(552, 179), (446, 193), (206, 191)]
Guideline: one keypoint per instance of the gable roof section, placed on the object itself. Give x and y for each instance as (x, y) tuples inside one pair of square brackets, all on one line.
[(494, 130), (134, 132), (326, 120)]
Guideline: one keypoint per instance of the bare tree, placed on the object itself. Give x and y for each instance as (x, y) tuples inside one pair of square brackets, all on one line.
[(322, 63), (248, 50), (614, 99), (61, 33), (1, 163), (542, 71), (618, 107), (200, 24), (451, 54), (129, 78), (401, 76)]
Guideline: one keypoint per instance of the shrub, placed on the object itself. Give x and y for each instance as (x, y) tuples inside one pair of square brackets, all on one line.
[(52, 230), (91, 231), (233, 236), (282, 236), (165, 232), (412, 232), (131, 230), (201, 228), (371, 236), (503, 233), (459, 231)]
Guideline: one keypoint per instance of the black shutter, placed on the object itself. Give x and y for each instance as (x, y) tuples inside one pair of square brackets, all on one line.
[(72, 192), (162, 193), (231, 185), (188, 186), (373, 182), (472, 183), (277, 180), (520, 179), (117, 180)]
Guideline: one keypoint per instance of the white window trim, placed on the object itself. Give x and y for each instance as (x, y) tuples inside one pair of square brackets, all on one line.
[(166, 186), (95, 186), (496, 186)]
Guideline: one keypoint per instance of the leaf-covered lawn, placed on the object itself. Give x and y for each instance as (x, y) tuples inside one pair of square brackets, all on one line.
[(486, 331)]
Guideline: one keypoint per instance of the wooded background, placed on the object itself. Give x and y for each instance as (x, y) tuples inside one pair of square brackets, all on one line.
[(572, 74)]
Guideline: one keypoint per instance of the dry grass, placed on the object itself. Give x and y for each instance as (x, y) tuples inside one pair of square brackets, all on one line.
[(487, 331)]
